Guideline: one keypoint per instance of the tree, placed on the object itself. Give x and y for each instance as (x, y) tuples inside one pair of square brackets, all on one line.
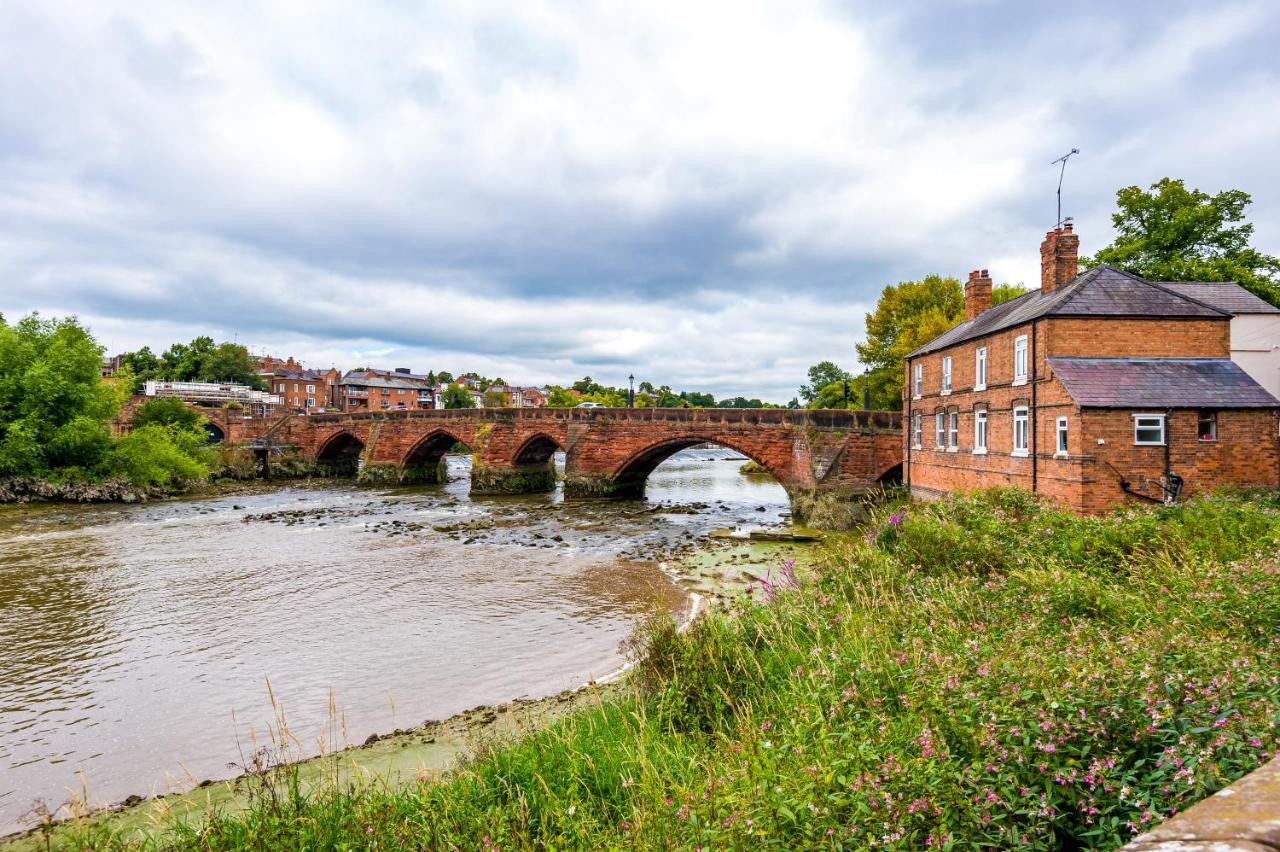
[(444, 377), (166, 412), (647, 387), (143, 365), (156, 454), (497, 399), (456, 396), (1172, 233), (698, 400), (562, 398), (231, 363), (55, 410), (820, 375)]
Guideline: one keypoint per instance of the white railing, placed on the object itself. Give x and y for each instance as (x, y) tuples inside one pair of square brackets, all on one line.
[(211, 392)]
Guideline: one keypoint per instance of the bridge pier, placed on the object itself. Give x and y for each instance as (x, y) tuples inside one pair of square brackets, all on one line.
[(623, 486), (521, 479)]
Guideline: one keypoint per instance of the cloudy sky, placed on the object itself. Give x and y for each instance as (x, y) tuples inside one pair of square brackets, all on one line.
[(707, 194)]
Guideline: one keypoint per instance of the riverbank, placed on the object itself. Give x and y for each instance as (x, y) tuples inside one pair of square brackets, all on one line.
[(717, 572), (980, 671)]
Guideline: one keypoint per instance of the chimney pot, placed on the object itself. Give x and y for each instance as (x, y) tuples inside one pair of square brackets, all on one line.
[(977, 294)]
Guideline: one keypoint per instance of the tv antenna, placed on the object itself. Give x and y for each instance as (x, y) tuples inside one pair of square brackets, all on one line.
[(1063, 160)]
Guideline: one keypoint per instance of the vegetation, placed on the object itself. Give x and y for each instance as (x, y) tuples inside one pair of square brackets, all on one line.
[(980, 672), (56, 413), (201, 360), (497, 399), (1172, 233), (456, 396)]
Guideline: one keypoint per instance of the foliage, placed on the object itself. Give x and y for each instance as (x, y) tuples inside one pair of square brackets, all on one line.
[(201, 360), (55, 410), (456, 396), (162, 455), (822, 375), (1171, 233), (497, 399), (743, 402), (562, 398), (166, 412), (984, 672)]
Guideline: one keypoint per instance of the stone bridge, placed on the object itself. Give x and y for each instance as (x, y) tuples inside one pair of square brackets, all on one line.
[(609, 452)]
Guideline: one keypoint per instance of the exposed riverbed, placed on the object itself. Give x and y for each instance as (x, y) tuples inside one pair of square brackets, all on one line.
[(136, 641)]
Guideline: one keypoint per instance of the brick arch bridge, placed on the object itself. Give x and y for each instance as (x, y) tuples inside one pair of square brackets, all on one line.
[(609, 452)]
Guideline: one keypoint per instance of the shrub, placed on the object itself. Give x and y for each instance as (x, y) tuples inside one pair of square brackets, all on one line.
[(167, 412), (158, 455)]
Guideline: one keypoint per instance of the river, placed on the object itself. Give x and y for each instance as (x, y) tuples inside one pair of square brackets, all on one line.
[(136, 642)]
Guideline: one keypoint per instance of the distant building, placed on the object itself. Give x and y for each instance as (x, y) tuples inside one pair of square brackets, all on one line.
[(214, 394), (302, 390), (1096, 389), (385, 390), (111, 366), (1255, 328)]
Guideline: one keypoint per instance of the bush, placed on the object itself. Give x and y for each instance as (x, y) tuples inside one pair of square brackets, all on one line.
[(167, 412), (156, 455)]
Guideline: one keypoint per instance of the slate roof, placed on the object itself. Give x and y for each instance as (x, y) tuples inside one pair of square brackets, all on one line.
[(1160, 383), (1102, 291), (1230, 297)]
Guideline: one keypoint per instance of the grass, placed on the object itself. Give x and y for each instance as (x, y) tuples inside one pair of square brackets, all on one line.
[(984, 672)]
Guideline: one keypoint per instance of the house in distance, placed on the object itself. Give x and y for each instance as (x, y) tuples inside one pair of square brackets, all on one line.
[(1099, 388)]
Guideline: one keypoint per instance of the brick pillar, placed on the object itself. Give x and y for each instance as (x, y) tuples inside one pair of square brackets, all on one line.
[(977, 293), (1059, 255)]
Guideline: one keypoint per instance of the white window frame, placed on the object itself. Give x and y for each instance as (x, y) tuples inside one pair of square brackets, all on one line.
[(1156, 416), (1021, 360), (919, 380), (980, 369), (280, 387), (1060, 433), (311, 402), (946, 375), (939, 430), (311, 388), (917, 429), (953, 431), (1021, 418), (980, 431)]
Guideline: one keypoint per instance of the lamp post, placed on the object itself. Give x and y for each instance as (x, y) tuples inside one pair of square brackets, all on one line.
[(866, 389), (631, 391)]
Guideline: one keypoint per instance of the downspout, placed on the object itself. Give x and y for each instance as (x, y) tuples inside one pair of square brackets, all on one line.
[(1035, 415), (909, 431)]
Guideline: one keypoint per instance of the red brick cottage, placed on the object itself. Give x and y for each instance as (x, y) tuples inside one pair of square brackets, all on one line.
[(1096, 389)]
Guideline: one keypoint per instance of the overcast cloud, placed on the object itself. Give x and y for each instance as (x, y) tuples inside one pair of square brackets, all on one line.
[(707, 194)]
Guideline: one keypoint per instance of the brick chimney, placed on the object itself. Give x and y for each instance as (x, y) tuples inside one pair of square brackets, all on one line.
[(1058, 258), (977, 293)]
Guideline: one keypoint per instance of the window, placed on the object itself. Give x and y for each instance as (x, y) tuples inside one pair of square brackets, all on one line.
[(953, 430), (280, 388), (916, 428), (919, 380), (980, 370), (1208, 426), (1148, 429), (311, 402), (940, 429), (980, 430), (946, 374), (311, 388), (1020, 442), (1020, 360), (1061, 446)]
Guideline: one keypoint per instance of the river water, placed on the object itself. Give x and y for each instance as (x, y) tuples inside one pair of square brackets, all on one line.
[(136, 642)]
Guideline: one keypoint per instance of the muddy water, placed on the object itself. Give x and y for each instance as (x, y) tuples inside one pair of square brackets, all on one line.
[(136, 641)]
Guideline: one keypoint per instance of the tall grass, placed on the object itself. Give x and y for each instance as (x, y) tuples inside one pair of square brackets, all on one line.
[(981, 672)]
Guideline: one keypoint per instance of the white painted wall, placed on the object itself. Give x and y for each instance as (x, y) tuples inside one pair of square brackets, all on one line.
[(1255, 346)]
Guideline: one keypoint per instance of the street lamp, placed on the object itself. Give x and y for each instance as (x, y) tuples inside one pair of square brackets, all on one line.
[(631, 391), (866, 389)]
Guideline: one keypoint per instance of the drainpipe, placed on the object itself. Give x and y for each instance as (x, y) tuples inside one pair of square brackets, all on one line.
[(1035, 415), (909, 432)]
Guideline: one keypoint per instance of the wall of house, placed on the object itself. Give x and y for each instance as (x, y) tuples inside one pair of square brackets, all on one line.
[(1255, 346), (1102, 337), (1246, 453)]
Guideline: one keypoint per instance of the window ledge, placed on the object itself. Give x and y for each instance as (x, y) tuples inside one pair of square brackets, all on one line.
[(979, 387), (980, 451), (1018, 382), (944, 393), (953, 449), (1060, 455), (916, 396), (1020, 454), (1148, 443)]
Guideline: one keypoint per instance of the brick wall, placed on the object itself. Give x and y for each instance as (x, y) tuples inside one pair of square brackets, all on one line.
[(1101, 337)]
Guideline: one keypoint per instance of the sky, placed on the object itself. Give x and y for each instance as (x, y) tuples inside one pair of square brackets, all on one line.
[(704, 194)]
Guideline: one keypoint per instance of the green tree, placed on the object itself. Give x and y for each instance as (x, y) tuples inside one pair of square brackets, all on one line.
[(456, 396), (444, 377), (1171, 233), (143, 365), (647, 387), (820, 375), (157, 454), (497, 399), (166, 412), (562, 398), (698, 400), (55, 409), (229, 362)]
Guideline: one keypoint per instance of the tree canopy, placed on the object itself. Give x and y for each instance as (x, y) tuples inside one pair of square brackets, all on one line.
[(1172, 233), (456, 396)]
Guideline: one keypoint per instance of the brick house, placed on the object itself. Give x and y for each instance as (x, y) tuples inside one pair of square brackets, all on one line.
[(1255, 328), (385, 390), (1096, 389), (301, 390)]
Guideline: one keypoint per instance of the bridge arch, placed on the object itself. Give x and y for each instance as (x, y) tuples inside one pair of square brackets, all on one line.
[(340, 453), (213, 433), (536, 450), (425, 461), (630, 476)]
